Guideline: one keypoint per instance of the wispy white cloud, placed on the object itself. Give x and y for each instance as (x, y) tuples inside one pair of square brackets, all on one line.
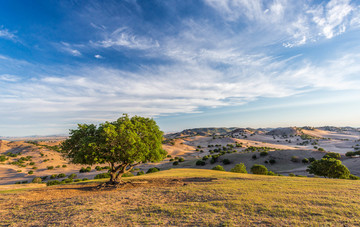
[(123, 37), (6, 34), (9, 78), (68, 48), (98, 56), (297, 22)]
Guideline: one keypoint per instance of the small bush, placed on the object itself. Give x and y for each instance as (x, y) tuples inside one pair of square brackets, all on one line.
[(219, 168), (72, 176), (98, 168), (58, 166), (264, 153), (171, 160), (85, 170), (206, 157), (271, 173), (61, 175), (200, 163), (67, 181), (272, 161), (53, 176), (101, 176), (353, 177), (181, 159), (311, 159), (175, 163), (34, 167), (52, 182), (140, 173), (85, 179), (226, 161), (77, 180), (50, 167), (291, 175), (254, 157), (64, 166), (32, 163), (295, 159), (24, 182), (305, 160), (321, 149), (259, 169), (36, 180), (31, 172), (239, 168), (128, 175), (153, 170), (3, 158)]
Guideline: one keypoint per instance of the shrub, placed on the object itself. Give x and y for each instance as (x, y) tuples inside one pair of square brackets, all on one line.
[(263, 153), (226, 161), (311, 159), (98, 168), (272, 161), (53, 176), (32, 163), (127, 175), (329, 167), (64, 166), (68, 180), (3, 158), (259, 169), (85, 170), (350, 154), (206, 157), (305, 160), (291, 175), (239, 168), (332, 155), (61, 175), (168, 156), (85, 179), (176, 158), (271, 173), (321, 149), (153, 170), (36, 180), (181, 159), (58, 166), (77, 180), (200, 163), (295, 159), (254, 156), (101, 176), (50, 167), (24, 182), (353, 177), (219, 168), (30, 172), (72, 176), (175, 163), (34, 167), (52, 182), (140, 173), (266, 162)]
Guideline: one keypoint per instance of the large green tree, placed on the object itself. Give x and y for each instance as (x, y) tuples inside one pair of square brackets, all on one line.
[(329, 167), (122, 144)]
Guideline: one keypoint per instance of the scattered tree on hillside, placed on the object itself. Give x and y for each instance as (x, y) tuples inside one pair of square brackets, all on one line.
[(332, 155), (239, 168), (259, 169), (329, 167), (122, 144)]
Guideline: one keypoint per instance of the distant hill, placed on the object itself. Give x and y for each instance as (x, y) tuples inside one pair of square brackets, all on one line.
[(289, 131), (200, 132)]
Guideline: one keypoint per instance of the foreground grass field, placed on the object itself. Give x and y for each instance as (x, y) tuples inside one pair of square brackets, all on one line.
[(189, 197)]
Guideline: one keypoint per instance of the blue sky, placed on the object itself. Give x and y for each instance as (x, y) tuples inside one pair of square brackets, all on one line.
[(186, 63)]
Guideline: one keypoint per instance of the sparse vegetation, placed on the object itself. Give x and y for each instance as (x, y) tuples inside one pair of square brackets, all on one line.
[(219, 168), (239, 168), (259, 169)]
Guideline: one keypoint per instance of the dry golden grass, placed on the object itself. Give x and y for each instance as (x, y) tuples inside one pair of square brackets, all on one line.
[(189, 197)]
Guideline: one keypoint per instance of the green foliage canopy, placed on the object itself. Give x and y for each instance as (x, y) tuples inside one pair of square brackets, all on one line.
[(329, 167), (122, 144), (239, 168)]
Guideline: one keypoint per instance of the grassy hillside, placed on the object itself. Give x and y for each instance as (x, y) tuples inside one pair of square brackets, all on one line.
[(189, 197)]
